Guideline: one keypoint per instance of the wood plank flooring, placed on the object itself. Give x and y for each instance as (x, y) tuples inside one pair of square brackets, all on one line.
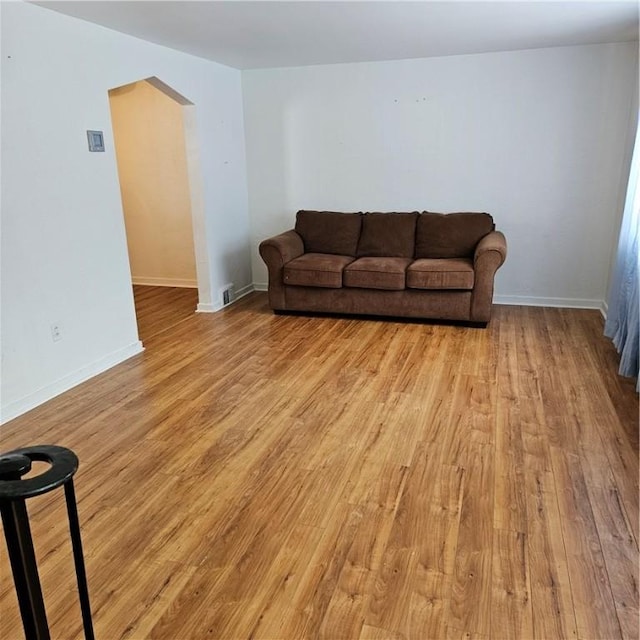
[(261, 476), (159, 308)]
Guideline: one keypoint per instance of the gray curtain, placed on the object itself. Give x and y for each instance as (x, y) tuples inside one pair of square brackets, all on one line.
[(623, 315)]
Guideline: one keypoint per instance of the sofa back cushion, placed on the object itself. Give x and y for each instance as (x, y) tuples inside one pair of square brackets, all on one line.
[(329, 231), (388, 235), (450, 235)]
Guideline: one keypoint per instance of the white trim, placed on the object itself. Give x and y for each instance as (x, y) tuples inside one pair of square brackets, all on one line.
[(73, 379), (526, 301), (165, 282), (244, 291), (535, 301), (604, 309), (240, 293)]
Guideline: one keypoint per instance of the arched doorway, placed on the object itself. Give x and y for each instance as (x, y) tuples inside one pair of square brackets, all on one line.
[(161, 187)]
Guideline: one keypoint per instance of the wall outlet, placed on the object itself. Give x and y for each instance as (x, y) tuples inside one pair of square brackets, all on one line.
[(56, 332)]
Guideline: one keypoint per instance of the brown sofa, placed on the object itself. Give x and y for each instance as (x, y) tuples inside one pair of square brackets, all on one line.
[(417, 265)]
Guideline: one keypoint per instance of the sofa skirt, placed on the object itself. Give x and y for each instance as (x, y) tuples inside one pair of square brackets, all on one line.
[(413, 303)]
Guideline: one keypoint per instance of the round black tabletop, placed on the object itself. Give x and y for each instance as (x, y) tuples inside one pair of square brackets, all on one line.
[(14, 464)]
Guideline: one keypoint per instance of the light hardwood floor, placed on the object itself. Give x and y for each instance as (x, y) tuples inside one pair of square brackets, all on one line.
[(261, 476), (159, 308)]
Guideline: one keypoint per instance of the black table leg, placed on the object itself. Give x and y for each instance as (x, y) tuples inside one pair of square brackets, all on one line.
[(81, 574), (15, 522)]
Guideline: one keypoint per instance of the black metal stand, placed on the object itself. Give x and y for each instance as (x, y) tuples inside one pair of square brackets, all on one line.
[(15, 521)]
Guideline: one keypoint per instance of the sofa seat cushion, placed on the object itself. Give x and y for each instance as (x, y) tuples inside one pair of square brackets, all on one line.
[(377, 273), (440, 273), (450, 235), (329, 231), (388, 235), (316, 270)]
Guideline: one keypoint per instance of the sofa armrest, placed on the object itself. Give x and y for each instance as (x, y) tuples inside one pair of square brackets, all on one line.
[(494, 241), (283, 247), (490, 254), (276, 252)]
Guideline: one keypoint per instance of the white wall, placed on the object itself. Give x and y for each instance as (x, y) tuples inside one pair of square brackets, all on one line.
[(151, 156), (64, 257), (537, 138)]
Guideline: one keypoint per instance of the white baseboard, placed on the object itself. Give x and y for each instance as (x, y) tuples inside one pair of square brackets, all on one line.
[(604, 309), (165, 282), (17, 408), (213, 308), (534, 301), (526, 301), (241, 293)]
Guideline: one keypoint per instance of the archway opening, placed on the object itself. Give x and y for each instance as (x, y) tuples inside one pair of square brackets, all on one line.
[(161, 189)]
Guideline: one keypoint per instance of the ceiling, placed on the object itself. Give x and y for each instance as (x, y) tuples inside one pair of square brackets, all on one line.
[(259, 34)]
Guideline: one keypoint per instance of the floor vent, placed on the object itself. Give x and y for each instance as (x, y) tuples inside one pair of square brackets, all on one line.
[(227, 294)]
